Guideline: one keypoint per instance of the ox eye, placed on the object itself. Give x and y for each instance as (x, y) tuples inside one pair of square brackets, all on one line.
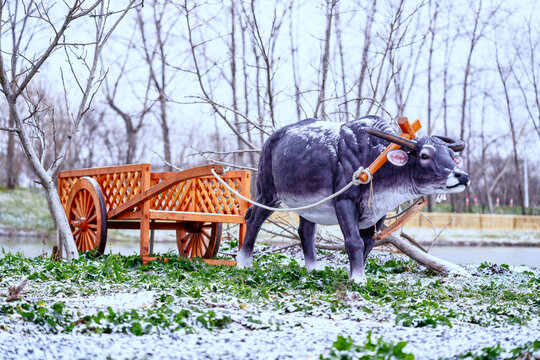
[(424, 156), (459, 161)]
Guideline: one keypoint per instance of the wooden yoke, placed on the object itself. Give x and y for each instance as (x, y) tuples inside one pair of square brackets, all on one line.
[(408, 132)]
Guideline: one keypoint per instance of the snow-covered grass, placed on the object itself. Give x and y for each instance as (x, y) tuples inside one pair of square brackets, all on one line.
[(115, 307), (25, 209)]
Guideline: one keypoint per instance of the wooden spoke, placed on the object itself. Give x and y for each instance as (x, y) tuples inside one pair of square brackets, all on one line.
[(81, 241), (82, 203), (185, 242), (88, 243), (75, 212), (199, 239), (205, 233), (92, 219), (87, 215), (91, 211), (195, 245)]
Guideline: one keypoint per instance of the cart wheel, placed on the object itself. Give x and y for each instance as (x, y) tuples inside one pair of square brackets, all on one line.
[(87, 215), (199, 239)]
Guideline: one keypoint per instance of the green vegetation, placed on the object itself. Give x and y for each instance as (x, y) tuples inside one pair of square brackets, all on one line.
[(425, 313), (25, 209), (498, 353), (191, 295), (345, 349), (55, 318)]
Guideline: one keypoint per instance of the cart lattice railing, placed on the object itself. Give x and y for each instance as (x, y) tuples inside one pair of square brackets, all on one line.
[(118, 183), (204, 195)]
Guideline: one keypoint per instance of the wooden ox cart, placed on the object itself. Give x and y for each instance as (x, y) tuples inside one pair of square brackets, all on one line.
[(192, 202)]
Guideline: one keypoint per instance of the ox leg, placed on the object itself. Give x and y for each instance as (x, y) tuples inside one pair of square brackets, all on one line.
[(306, 230), (367, 236), (347, 214), (255, 217)]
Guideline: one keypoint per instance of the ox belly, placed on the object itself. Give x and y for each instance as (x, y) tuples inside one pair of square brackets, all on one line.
[(323, 214)]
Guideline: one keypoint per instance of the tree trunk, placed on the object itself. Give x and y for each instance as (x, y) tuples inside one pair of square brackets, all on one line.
[(165, 132), (434, 263), (65, 237), (330, 4), (10, 175), (440, 266), (47, 181), (365, 52)]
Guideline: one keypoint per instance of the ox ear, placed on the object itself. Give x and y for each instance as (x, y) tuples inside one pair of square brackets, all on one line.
[(397, 157)]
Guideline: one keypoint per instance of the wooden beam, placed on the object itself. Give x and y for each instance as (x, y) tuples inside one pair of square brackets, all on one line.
[(147, 259), (402, 220), (103, 170), (195, 216)]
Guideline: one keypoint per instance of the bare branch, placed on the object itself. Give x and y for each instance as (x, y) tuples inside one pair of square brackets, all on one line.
[(213, 161)]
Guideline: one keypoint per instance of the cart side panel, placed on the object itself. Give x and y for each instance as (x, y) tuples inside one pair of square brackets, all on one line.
[(204, 194), (118, 183)]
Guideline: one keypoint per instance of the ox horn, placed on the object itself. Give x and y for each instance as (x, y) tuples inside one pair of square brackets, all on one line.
[(454, 144), (393, 138)]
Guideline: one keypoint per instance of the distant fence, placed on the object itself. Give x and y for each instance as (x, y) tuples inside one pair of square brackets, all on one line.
[(477, 221), (461, 221)]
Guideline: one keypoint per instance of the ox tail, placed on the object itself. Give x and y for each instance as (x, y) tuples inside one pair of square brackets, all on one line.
[(248, 213)]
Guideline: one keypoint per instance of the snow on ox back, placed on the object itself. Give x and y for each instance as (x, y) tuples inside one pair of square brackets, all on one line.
[(302, 166)]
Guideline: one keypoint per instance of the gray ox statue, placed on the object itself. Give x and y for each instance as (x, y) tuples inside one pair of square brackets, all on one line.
[(305, 162)]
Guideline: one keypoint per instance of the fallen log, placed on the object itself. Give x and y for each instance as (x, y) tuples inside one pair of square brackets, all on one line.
[(440, 266)]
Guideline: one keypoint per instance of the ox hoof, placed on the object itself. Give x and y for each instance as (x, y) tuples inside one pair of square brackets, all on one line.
[(243, 261), (359, 279), (310, 266)]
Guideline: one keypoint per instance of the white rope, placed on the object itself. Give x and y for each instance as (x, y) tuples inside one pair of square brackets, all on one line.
[(355, 181)]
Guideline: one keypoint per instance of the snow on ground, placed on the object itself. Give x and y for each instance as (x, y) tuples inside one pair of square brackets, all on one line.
[(295, 335), (303, 342)]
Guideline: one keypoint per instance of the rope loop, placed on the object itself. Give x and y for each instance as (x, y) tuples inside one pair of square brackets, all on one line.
[(355, 181), (356, 176), (227, 186)]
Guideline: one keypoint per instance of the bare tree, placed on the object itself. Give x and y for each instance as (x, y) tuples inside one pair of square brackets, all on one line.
[(392, 70), (325, 60), (432, 31), (225, 110), (483, 18), (16, 42), (32, 17), (133, 120), (529, 83), (154, 49), (365, 52), (294, 43), (504, 74)]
